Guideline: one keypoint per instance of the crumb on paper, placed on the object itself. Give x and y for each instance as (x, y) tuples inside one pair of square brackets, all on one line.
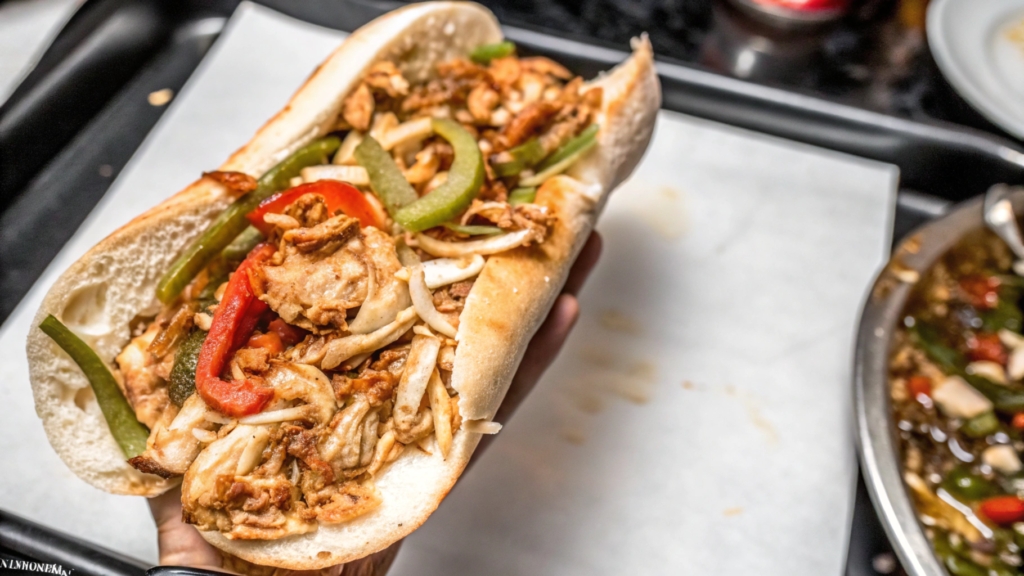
[(687, 385), (606, 373), (730, 390), (759, 421), (160, 97), (735, 511), (616, 321), (574, 436)]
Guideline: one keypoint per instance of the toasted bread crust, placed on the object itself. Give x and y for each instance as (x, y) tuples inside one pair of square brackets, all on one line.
[(115, 281)]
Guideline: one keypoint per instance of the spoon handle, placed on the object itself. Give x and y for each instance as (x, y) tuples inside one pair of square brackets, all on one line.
[(1001, 220)]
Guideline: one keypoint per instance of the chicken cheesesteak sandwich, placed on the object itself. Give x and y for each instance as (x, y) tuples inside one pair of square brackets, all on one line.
[(312, 338)]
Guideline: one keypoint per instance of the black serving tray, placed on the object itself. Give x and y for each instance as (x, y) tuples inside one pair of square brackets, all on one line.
[(77, 118)]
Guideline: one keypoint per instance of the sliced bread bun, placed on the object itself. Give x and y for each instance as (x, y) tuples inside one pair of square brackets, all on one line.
[(102, 292)]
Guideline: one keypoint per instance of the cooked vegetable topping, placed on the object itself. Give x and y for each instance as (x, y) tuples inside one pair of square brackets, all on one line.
[(513, 161), (473, 230), (182, 380), (522, 196), (456, 193), (337, 196), (242, 245), (231, 222), (958, 399), (386, 179), (484, 54), (127, 431), (564, 157), (234, 321)]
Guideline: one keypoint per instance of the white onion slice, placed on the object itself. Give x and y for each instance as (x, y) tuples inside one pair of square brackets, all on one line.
[(204, 436), (411, 131), (253, 452), (217, 418), (355, 175), (383, 302), (423, 302), (444, 271), (419, 365), (346, 153), (341, 349), (492, 245), (282, 415), (481, 426)]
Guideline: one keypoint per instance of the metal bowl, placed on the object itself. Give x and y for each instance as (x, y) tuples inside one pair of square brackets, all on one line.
[(876, 431)]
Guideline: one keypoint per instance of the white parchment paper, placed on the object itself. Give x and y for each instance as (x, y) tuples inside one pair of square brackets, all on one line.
[(26, 29), (697, 420)]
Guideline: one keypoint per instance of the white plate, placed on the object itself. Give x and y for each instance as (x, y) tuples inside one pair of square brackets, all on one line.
[(979, 46)]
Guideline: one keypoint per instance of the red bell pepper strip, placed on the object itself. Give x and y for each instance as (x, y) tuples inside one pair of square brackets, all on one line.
[(337, 195), (270, 341), (987, 346), (981, 291), (918, 385), (290, 335), (1003, 509), (236, 317), (1018, 421)]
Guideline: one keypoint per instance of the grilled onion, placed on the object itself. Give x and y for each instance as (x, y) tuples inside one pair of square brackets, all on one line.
[(492, 245), (444, 271), (423, 302)]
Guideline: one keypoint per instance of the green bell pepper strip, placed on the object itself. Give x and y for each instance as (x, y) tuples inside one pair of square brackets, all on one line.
[(1006, 399), (182, 383), (981, 425), (484, 54), (927, 339), (387, 181), (968, 486), (231, 222), (473, 230), (571, 147), (565, 156), (522, 196), (524, 156), (465, 178), (129, 433), (242, 245)]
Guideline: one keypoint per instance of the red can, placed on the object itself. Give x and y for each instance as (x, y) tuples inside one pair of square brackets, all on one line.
[(794, 12)]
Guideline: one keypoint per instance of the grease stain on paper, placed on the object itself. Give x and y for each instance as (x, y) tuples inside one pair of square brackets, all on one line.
[(751, 407), (603, 378), (662, 208), (616, 321)]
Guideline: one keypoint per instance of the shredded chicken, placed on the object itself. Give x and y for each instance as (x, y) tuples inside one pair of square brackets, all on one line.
[(358, 108), (142, 383), (322, 272)]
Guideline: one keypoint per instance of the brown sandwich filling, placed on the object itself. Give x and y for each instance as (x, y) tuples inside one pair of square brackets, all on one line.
[(287, 375)]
